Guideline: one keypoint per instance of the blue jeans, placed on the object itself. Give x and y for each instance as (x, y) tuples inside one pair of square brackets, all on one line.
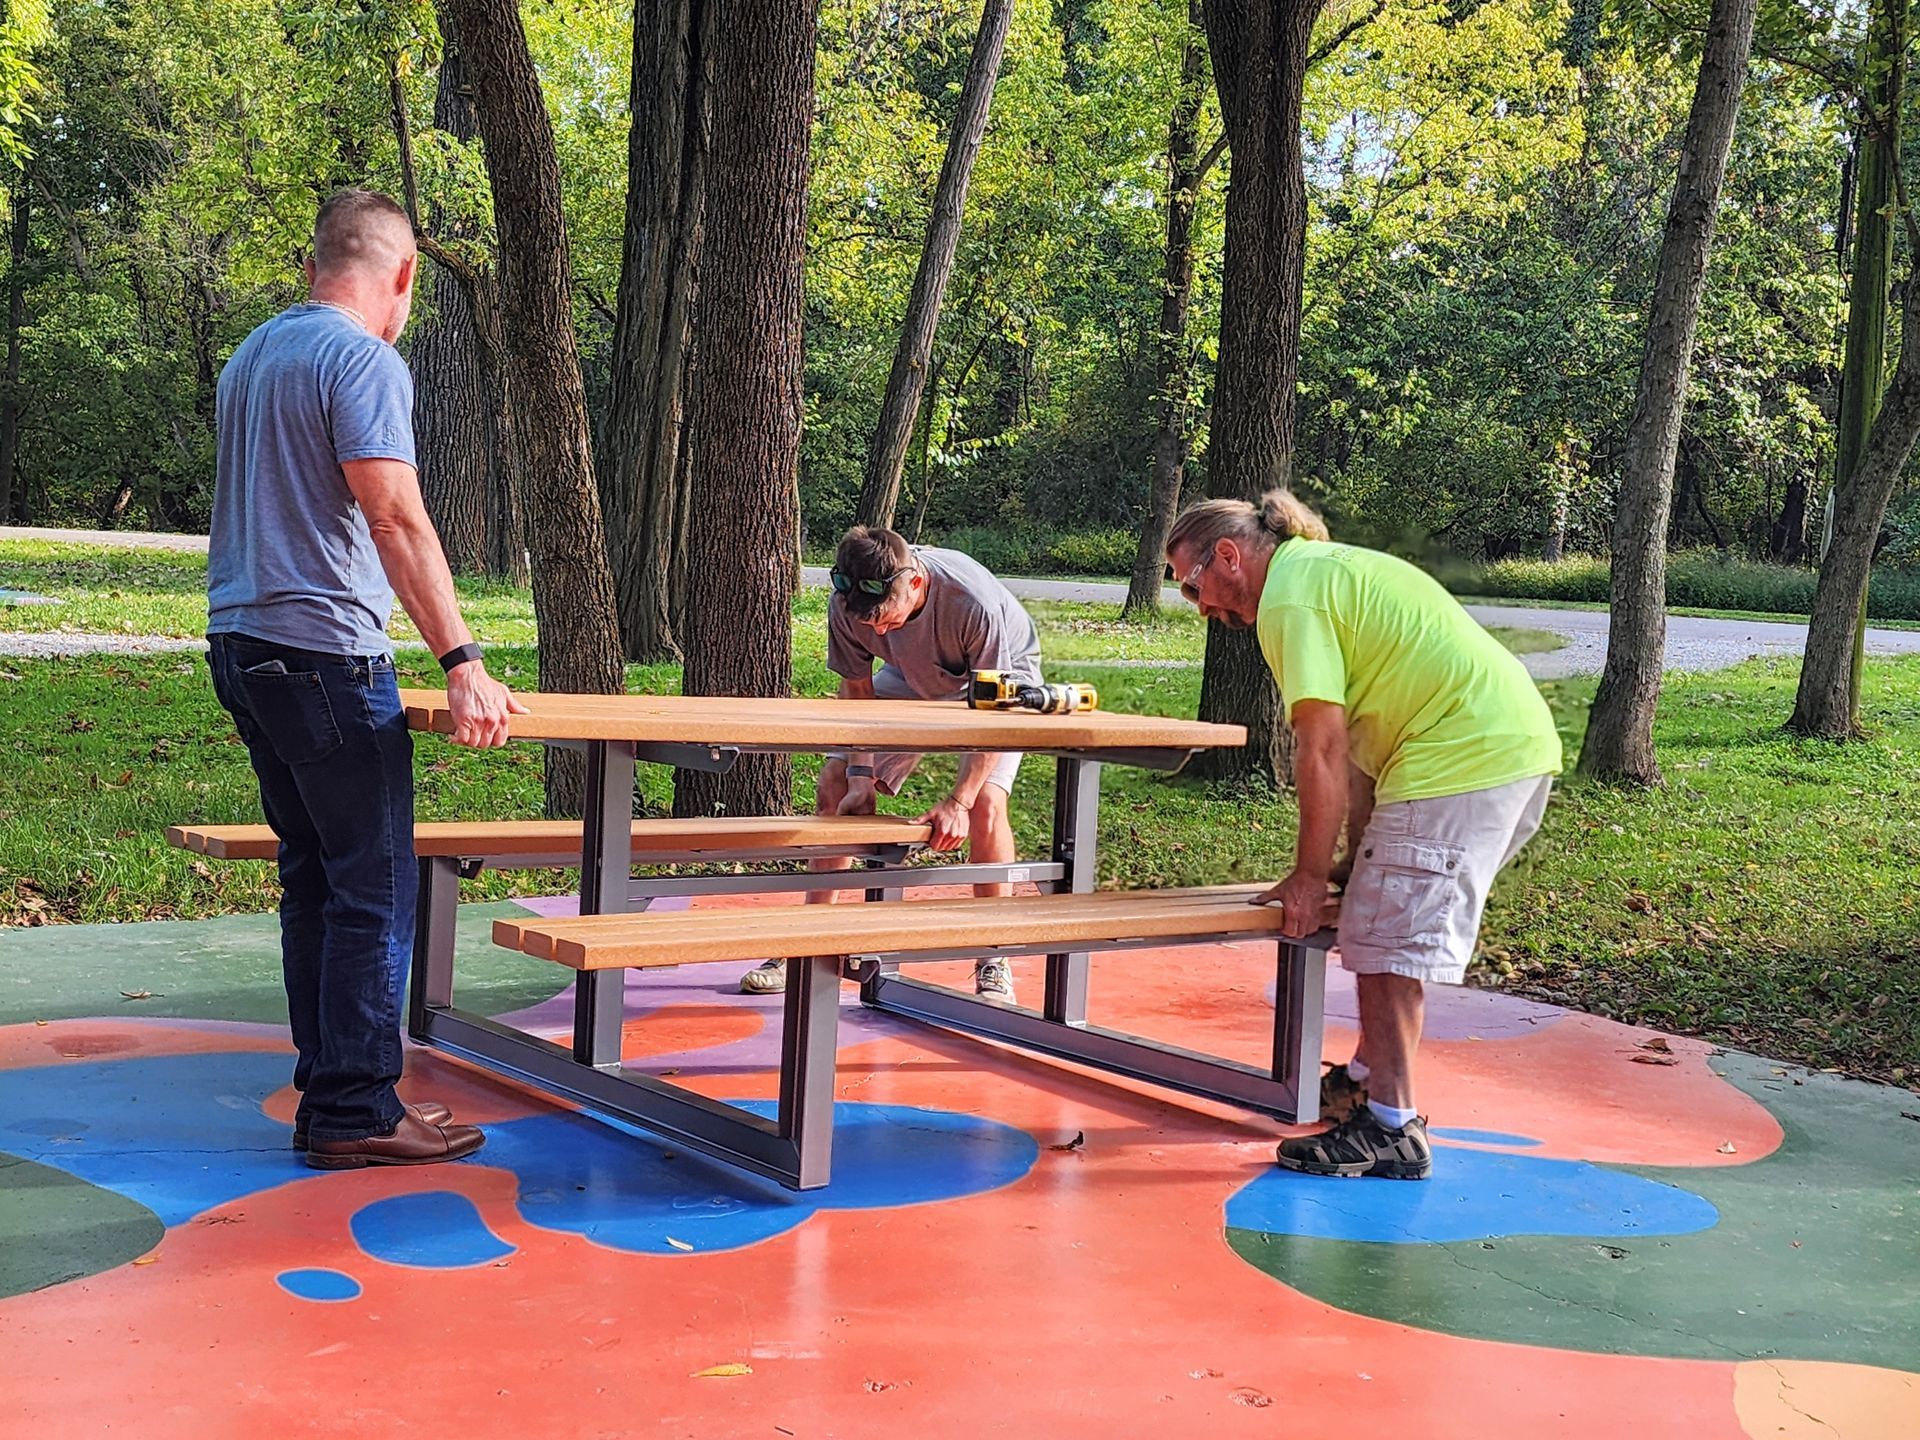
[(329, 742)]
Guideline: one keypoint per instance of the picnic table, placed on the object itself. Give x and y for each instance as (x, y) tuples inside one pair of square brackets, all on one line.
[(619, 732)]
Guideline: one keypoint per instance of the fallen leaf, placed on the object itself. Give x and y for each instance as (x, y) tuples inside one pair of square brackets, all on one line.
[(1208, 1374), (138, 994), (1727, 1148), (39, 1022), (1659, 1043), (678, 1244), (874, 1387), (1079, 1139), (723, 1372), (1654, 1059), (1253, 1398), (148, 1260)]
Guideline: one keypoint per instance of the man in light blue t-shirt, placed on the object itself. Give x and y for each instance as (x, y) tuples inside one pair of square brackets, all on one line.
[(317, 523)]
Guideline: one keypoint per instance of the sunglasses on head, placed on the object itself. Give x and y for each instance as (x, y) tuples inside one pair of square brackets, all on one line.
[(866, 585)]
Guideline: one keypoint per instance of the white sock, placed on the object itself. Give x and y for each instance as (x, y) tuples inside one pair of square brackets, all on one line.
[(1388, 1116), (1358, 1071)]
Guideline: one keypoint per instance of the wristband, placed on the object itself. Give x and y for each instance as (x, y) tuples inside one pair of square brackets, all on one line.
[(860, 772), (459, 655)]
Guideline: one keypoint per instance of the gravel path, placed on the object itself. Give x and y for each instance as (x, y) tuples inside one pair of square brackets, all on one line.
[(1693, 643)]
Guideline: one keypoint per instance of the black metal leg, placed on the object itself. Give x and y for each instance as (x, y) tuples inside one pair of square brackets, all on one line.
[(1076, 829), (808, 1050), (606, 860), (431, 985), (1299, 1006)]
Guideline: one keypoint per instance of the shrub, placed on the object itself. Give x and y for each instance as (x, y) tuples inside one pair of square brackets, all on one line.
[(1097, 552), (1000, 552)]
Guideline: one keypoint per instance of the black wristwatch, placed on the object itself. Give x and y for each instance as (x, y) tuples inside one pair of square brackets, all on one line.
[(459, 655)]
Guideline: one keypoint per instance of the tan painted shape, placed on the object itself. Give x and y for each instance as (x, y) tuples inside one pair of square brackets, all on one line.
[(1824, 1400)]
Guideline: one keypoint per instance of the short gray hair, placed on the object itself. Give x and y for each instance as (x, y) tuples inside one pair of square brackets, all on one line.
[(1281, 515), (360, 230)]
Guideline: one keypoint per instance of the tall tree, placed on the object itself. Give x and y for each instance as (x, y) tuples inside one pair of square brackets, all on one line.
[(16, 322), (1619, 743), (746, 393), (1828, 700), (1260, 51), (1186, 169), (906, 384), (666, 164), (572, 586)]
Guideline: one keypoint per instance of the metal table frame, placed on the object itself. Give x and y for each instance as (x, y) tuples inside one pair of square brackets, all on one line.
[(795, 1145)]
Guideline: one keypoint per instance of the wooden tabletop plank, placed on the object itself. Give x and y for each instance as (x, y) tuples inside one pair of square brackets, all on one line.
[(599, 942), (749, 723), (720, 834)]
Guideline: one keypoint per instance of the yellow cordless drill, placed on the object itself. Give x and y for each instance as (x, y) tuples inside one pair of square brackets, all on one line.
[(997, 690)]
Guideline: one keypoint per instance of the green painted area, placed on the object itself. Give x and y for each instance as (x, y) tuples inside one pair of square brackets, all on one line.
[(54, 1228), (1816, 1256), (225, 968)]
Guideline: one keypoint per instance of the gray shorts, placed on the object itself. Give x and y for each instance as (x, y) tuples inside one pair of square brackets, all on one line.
[(892, 767), (1421, 876)]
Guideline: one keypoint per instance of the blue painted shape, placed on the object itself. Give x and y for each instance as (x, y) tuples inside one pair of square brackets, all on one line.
[(180, 1134), (435, 1230), (323, 1285), (1473, 1195), (183, 1134), (627, 1190), (1484, 1137)]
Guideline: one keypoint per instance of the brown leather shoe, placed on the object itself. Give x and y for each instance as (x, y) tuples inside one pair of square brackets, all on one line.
[(414, 1141), (431, 1111)]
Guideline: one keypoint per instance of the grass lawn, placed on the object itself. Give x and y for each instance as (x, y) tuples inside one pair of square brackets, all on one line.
[(1763, 896)]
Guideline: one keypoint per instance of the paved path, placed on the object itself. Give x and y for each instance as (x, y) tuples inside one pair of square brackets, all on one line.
[(1693, 643)]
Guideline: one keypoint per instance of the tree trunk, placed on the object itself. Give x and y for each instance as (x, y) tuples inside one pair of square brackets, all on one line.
[(880, 494), (1788, 542), (1619, 743), (1171, 439), (666, 161), (1564, 468), (572, 586), (16, 321), (1260, 52), (1828, 702), (746, 394), (452, 411)]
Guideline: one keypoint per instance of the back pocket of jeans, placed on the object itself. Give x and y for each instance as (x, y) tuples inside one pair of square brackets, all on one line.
[(292, 712), (1419, 886)]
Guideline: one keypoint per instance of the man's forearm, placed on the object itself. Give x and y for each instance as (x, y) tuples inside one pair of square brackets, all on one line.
[(1320, 779), (416, 567)]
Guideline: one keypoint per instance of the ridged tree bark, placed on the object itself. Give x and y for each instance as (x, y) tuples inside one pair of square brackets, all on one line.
[(572, 586), (906, 385), (452, 412), (16, 321), (666, 161), (1172, 446), (746, 392), (1260, 51), (463, 406), (1828, 701), (1619, 743)]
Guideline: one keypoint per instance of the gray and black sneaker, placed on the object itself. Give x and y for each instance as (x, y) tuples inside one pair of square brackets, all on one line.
[(1362, 1145), (1340, 1094)]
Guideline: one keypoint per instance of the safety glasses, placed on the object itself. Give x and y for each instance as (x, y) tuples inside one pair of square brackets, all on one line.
[(866, 585), (1190, 587)]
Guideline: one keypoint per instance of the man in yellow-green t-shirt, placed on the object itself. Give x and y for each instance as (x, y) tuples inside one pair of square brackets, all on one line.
[(1419, 734)]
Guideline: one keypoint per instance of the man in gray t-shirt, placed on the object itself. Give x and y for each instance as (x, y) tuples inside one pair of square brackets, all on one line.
[(317, 524), (930, 618)]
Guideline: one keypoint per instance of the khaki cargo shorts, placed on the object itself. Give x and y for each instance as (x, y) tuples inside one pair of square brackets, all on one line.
[(892, 767), (1421, 876)]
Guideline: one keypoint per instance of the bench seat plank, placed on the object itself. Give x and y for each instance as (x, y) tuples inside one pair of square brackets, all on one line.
[(721, 835), (628, 941)]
